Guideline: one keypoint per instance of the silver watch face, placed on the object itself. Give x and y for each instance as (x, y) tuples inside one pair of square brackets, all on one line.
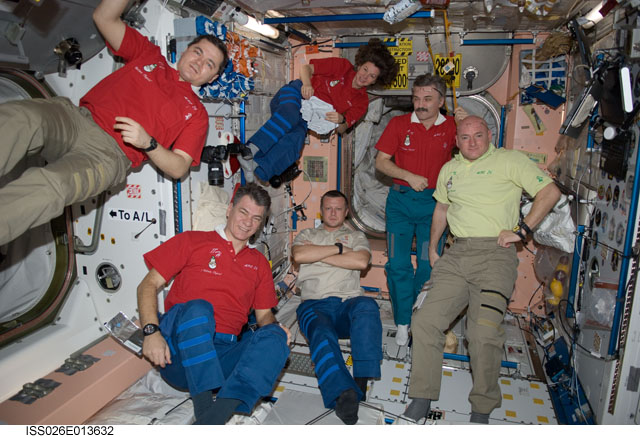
[(149, 329)]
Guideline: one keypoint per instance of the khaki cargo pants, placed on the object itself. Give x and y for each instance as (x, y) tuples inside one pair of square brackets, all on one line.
[(477, 273), (82, 161)]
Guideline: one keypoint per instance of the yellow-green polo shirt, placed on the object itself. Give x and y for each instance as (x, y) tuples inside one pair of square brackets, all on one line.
[(484, 195)]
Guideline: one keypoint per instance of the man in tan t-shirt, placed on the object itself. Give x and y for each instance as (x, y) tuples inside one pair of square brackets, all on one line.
[(331, 258)]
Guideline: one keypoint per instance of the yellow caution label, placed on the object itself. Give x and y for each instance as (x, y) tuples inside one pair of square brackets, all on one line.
[(399, 366), (510, 413), (397, 380), (448, 68), (401, 81), (505, 382), (534, 385), (543, 419), (403, 48), (280, 388), (395, 392), (538, 401), (349, 361), (447, 373), (507, 396), (538, 158)]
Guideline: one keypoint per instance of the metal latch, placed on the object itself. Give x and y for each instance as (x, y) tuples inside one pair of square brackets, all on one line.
[(77, 364), (33, 391)]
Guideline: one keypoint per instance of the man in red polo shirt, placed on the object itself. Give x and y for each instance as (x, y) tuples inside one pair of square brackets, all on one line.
[(134, 114), (421, 143), (218, 279)]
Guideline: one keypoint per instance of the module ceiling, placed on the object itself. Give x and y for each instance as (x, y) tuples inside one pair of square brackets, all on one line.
[(463, 14)]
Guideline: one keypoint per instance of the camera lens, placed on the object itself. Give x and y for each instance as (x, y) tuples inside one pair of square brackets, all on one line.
[(216, 173)]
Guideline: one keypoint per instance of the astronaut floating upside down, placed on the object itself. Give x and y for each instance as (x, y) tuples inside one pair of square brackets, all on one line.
[(277, 145)]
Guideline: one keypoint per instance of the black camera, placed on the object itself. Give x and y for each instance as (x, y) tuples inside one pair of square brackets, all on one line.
[(289, 174), (214, 155)]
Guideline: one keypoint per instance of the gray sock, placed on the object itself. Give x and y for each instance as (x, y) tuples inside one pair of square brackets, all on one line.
[(418, 408), (479, 417), (249, 165)]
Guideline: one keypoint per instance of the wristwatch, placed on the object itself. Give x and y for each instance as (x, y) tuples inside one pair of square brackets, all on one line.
[(153, 144), (525, 228), (520, 232), (150, 328), (340, 247)]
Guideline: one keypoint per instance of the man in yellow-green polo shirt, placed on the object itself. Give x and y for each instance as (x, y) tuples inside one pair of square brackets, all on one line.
[(478, 196)]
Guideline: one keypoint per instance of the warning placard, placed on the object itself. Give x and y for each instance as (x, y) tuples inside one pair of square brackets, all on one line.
[(403, 48), (401, 81), (448, 68)]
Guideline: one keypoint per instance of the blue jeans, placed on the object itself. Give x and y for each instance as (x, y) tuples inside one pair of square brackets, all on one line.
[(202, 359), (323, 322)]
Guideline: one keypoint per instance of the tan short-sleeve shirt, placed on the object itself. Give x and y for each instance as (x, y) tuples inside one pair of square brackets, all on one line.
[(319, 280)]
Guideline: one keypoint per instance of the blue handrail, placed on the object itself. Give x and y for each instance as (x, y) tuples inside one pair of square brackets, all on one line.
[(345, 17)]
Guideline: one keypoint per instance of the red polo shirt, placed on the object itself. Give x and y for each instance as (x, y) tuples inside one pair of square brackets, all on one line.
[(416, 149), (149, 91), (205, 266), (332, 83)]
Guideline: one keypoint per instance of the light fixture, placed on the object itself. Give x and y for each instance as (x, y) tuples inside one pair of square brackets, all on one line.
[(252, 24), (592, 18), (401, 10), (626, 89), (274, 14)]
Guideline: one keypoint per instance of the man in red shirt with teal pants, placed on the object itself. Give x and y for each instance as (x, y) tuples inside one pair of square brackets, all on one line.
[(421, 143)]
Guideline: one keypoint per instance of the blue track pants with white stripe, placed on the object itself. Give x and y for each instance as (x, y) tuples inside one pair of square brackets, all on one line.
[(202, 359), (323, 322), (281, 138)]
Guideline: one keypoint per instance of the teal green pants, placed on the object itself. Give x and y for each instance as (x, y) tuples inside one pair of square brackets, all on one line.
[(408, 214)]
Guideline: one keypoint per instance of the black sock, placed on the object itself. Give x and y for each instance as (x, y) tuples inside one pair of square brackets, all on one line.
[(219, 413), (202, 402), (347, 407), (361, 382)]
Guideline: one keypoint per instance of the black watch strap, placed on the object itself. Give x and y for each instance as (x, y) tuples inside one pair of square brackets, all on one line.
[(153, 145), (150, 328), (525, 228), (340, 247), (520, 232)]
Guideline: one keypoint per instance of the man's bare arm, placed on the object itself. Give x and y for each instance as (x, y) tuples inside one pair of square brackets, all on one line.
[(351, 260), (107, 19), (542, 204), (154, 347), (174, 163), (266, 317), (309, 253), (438, 225)]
